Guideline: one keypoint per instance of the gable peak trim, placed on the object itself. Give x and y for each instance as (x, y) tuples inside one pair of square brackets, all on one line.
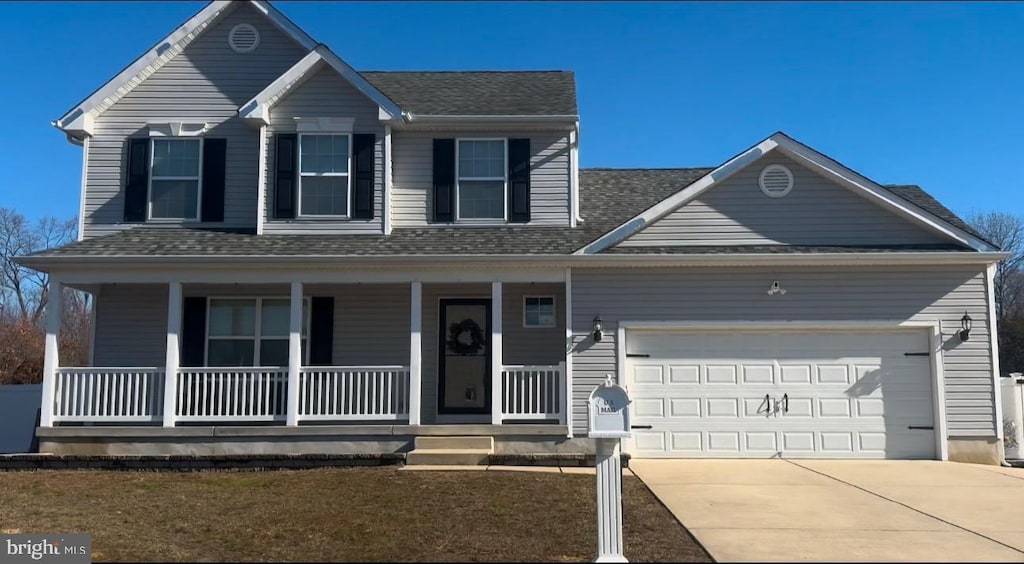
[(258, 108)]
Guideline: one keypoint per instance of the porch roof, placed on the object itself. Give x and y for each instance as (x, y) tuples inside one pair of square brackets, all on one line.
[(608, 197)]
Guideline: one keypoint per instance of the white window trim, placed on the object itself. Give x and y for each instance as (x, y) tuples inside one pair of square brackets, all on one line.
[(348, 175), (256, 337), (554, 311), (504, 179), (198, 178)]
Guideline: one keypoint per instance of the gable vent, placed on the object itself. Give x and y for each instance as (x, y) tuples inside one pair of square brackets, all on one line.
[(776, 181), (243, 38)]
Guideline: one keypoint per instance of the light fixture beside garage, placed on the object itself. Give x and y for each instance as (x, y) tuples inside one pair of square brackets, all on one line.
[(598, 329), (776, 289), (966, 324)]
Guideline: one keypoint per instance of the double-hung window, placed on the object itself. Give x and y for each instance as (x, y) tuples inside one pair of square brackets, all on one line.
[(324, 170), (481, 179), (174, 186), (251, 331)]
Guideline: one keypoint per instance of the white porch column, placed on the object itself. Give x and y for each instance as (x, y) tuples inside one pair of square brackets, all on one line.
[(294, 354), (415, 352), (567, 377), (54, 313), (172, 359), (496, 356)]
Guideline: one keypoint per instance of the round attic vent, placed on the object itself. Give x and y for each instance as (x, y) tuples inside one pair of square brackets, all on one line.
[(776, 181), (243, 38)]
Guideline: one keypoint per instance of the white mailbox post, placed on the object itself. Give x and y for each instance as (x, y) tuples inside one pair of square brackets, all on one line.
[(609, 423)]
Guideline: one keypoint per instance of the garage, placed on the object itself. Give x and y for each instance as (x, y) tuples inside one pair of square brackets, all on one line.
[(781, 393)]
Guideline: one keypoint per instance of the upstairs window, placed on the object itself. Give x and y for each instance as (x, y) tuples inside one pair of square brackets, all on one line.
[(324, 169), (481, 179), (174, 187)]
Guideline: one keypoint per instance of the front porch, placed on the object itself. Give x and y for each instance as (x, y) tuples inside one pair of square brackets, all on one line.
[(152, 356)]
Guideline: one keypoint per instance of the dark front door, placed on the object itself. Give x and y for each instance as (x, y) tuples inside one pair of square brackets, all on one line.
[(464, 371)]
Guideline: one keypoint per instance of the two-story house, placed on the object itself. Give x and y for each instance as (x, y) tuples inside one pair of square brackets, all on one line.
[(287, 255)]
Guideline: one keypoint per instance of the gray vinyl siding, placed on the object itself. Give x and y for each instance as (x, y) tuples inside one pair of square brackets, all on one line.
[(815, 212), (371, 323), (131, 325), (936, 293), (326, 94), (412, 155), (207, 82), (519, 345)]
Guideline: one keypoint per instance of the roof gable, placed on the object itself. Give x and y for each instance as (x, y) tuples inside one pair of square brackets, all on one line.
[(815, 212), (258, 108), (811, 159), (78, 121)]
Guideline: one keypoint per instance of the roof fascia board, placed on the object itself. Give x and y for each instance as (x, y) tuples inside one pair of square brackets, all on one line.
[(875, 192), (680, 198), (258, 108), (189, 262), (78, 120)]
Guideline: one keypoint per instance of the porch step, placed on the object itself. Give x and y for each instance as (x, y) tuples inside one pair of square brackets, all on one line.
[(448, 456), (476, 443), (450, 450)]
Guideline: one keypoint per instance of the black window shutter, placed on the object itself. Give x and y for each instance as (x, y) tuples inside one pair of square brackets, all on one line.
[(193, 331), (321, 331), (136, 185), (286, 152), (214, 164), (519, 180), (444, 180), (362, 181)]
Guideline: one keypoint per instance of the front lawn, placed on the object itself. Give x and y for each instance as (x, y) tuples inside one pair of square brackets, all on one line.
[(378, 514)]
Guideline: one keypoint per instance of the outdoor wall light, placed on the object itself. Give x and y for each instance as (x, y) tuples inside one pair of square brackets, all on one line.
[(966, 323), (598, 329)]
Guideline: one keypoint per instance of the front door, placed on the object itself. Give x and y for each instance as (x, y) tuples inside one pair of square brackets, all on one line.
[(464, 371)]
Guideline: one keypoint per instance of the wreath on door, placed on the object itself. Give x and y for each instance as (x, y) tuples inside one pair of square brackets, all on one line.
[(465, 338)]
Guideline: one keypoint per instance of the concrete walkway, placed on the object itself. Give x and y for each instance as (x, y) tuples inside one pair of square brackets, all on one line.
[(836, 511)]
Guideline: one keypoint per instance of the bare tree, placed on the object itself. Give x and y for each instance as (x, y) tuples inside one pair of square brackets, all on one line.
[(1007, 231), (24, 289), (23, 299)]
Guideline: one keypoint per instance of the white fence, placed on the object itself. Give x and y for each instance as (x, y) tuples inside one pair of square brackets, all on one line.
[(533, 392), (108, 394), (232, 394), (354, 392)]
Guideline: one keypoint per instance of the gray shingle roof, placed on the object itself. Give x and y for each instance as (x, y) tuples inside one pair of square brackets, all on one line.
[(917, 196), (608, 198), (780, 249), (486, 93)]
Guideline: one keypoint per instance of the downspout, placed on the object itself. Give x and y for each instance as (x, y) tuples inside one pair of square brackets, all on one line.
[(261, 182), (386, 212), (574, 176)]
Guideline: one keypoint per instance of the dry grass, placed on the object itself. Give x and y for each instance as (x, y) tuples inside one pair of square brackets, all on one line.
[(364, 514)]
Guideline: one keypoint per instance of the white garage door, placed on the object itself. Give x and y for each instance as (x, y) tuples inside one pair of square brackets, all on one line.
[(821, 394)]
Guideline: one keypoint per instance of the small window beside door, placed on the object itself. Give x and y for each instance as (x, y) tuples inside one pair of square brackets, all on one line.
[(538, 311)]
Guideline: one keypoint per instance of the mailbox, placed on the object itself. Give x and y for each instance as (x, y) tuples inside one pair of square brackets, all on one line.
[(609, 412)]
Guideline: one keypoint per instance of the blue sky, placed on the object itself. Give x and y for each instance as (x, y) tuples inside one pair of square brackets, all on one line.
[(925, 93)]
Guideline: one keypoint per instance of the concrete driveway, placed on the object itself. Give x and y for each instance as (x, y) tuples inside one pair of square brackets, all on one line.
[(816, 510)]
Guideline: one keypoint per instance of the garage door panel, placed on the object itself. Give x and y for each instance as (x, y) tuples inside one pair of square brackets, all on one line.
[(850, 394)]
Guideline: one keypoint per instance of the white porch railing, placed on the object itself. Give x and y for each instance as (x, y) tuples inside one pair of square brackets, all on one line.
[(108, 394), (533, 392), (232, 394), (353, 392)]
